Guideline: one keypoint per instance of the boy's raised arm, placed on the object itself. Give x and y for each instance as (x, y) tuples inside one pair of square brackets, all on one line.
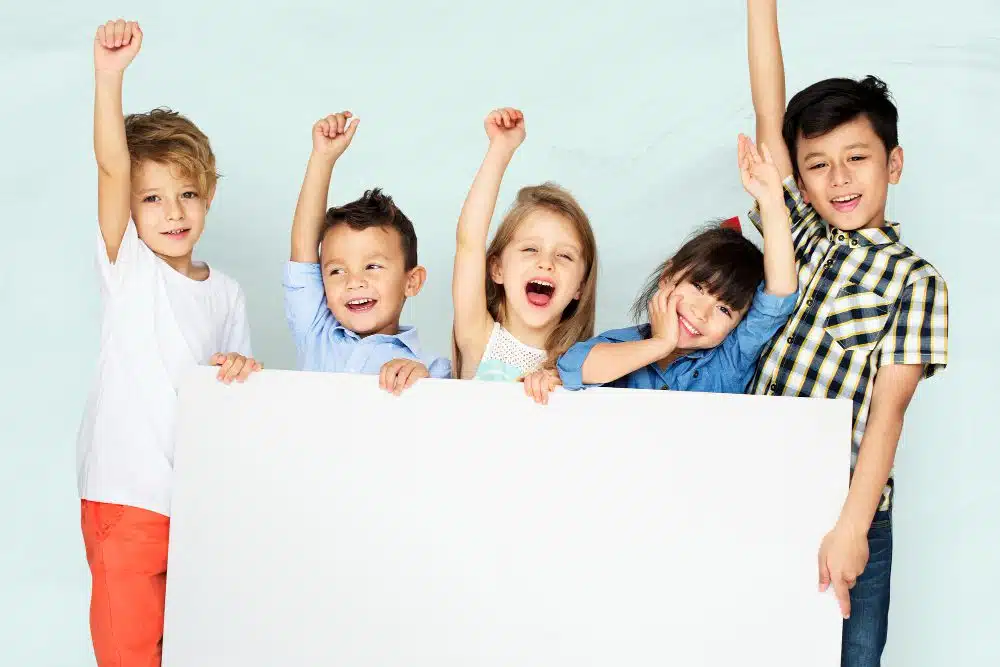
[(330, 137), (115, 45), (767, 80), (505, 129)]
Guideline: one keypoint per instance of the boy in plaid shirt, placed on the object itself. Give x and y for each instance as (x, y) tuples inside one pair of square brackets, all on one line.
[(872, 318)]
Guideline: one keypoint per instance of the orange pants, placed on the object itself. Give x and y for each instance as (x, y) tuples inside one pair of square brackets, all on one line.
[(127, 554)]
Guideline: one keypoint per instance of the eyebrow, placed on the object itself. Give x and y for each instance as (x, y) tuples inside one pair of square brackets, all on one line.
[(859, 144)]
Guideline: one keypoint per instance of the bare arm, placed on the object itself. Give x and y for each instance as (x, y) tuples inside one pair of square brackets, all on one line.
[(473, 322), (767, 79), (894, 388), (331, 137), (115, 45), (608, 362)]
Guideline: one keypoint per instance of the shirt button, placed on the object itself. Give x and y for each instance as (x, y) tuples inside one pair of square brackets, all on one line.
[(696, 375), (791, 339), (809, 302), (840, 238), (854, 242), (774, 388)]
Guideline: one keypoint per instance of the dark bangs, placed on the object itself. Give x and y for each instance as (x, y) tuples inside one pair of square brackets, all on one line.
[(725, 263)]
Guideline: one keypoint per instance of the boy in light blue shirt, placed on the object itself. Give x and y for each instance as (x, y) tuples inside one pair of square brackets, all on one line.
[(352, 268)]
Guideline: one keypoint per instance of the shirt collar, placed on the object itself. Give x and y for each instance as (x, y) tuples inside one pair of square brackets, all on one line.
[(876, 236), (407, 337)]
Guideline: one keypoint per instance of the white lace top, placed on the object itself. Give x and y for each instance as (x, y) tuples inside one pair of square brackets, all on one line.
[(506, 358)]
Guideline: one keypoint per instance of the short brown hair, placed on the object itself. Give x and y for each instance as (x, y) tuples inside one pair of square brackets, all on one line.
[(375, 209), (167, 137)]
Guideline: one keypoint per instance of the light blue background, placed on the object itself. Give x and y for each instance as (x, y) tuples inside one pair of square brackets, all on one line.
[(633, 106)]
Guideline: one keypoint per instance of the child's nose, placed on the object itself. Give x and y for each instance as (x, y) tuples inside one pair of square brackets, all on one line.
[(174, 210)]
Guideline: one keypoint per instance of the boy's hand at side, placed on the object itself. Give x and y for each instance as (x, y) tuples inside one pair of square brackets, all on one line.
[(234, 366), (663, 320), (540, 383), (505, 128), (332, 135), (400, 374), (760, 175), (843, 555)]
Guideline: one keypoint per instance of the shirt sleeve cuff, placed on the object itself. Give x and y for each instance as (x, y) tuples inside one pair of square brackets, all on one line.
[(302, 274), (440, 369), (570, 365), (773, 305)]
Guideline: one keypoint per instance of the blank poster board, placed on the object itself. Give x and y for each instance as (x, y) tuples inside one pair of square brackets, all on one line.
[(319, 521)]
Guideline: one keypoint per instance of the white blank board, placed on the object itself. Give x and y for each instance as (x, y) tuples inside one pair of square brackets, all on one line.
[(319, 521)]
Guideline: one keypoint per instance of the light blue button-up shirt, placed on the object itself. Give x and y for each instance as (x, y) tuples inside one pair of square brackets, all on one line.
[(324, 344), (725, 369)]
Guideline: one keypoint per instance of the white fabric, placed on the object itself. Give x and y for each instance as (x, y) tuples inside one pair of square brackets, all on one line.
[(506, 358), (156, 325)]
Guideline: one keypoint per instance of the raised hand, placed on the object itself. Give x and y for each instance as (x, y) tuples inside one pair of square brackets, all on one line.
[(760, 175), (333, 134), (663, 319), (505, 128), (116, 44)]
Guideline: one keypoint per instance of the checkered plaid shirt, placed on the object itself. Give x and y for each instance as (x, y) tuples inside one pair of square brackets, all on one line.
[(865, 301)]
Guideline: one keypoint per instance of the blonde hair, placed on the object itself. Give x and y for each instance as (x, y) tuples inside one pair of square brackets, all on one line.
[(169, 138), (577, 320)]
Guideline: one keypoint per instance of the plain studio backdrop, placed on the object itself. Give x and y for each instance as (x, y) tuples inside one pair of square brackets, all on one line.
[(635, 107)]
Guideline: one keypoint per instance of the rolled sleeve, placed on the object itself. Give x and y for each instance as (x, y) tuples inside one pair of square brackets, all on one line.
[(741, 349), (570, 364), (918, 333), (305, 298), (440, 368)]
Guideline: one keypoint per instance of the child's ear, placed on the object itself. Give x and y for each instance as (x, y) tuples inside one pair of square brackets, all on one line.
[(895, 164), (496, 273), (415, 279), (802, 190)]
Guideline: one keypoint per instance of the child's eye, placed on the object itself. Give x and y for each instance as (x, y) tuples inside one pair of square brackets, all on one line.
[(698, 286), (336, 272), (371, 267), (529, 249), (857, 158), (190, 194), (726, 311), (567, 257), (818, 165), (150, 199)]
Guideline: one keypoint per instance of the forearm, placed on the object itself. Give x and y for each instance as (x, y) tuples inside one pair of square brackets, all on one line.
[(780, 276), (607, 362), (477, 212), (767, 70), (875, 459), (110, 148), (310, 210)]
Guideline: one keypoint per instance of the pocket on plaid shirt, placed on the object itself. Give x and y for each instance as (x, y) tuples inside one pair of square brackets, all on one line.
[(857, 318)]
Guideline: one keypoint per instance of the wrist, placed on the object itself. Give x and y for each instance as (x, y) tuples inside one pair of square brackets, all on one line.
[(501, 150), (321, 159), (109, 75), (772, 205)]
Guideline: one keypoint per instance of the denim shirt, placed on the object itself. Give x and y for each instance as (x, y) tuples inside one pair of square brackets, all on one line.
[(725, 369)]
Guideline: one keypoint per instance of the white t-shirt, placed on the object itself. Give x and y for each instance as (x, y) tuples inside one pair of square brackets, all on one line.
[(156, 324)]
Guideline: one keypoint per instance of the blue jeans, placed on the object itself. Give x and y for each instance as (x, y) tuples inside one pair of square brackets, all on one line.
[(865, 631)]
